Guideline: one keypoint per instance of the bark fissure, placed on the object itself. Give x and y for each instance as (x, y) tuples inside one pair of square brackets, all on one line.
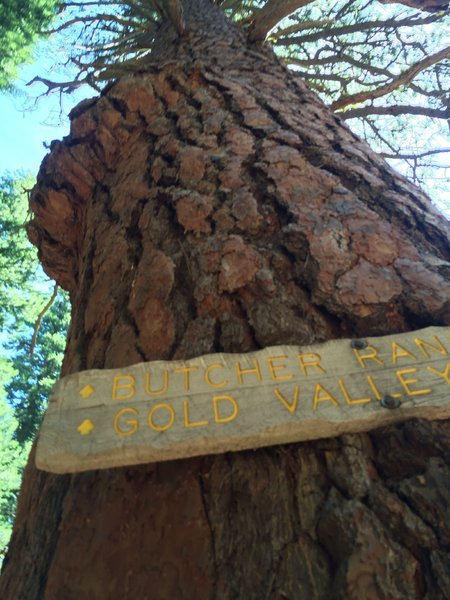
[(206, 509)]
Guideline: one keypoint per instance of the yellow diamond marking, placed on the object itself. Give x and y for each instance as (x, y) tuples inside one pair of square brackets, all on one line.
[(86, 427), (87, 391)]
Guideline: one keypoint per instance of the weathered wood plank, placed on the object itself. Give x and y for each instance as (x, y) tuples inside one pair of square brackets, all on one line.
[(220, 402)]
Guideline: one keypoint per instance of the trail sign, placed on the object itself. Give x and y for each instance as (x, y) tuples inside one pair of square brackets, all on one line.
[(220, 402)]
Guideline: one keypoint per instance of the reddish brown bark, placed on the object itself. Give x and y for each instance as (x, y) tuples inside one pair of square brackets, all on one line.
[(213, 203)]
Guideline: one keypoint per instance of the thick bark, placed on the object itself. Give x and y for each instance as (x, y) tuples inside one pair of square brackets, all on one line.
[(214, 204)]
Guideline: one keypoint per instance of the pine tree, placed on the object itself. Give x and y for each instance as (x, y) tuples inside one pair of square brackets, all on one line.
[(210, 202)]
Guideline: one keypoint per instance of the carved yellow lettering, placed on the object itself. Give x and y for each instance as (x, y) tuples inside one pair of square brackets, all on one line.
[(163, 406), (187, 421), (291, 406), (399, 351), (208, 369), (310, 360), (347, 397), (370, 355), (186, 371), (235, 411), (148, 384), (132, 425), (123, 382), (405, 382), (423, 345), (240, 371), (444, 374), (273, 368), (375, 390), (321, 394)]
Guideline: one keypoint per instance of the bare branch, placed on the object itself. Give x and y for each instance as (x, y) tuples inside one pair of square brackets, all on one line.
[(401, 80), (37, 325), (425, 5), (394, 111), (173, 11), (65, 86), (270, 15), (341, 58), (393, 23), (322, 77), (82, 4), (226, 4), (379, 135), (402, 156), (301, 26), (90, 19)]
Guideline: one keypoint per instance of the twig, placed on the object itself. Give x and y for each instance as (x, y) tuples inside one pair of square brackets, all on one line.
[(37, 325), (401, 80), (394, 110), (402, 156)]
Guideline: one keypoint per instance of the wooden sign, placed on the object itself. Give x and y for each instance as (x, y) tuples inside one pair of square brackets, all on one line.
[(220, 402)]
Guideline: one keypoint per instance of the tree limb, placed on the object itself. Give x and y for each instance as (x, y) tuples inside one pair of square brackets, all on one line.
[(90, 19), (336, 59), (270, 15), (403, 79), (425, 5), (394, 111), (172, 10), (40, 317), (301, 26), (401, 156), (84, 3), (65, 86), (393, 23)]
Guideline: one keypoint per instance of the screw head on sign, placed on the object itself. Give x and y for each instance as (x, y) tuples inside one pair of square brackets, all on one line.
[(388, 401), (359, 344)]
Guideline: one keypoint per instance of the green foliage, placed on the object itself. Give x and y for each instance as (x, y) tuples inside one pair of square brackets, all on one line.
[(12, 461), (28, 390), (25, 378), (20, 23), (18, 260), (24, 291)]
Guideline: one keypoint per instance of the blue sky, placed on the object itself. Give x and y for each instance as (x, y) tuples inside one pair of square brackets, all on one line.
[(26, 124), (22, 134)]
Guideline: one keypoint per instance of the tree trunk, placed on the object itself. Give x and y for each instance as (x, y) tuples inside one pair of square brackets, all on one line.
[(212, 203)]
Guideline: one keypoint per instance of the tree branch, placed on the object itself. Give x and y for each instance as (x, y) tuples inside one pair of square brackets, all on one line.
[(172, 10), (398, 109), (270, 15), (90, 19), (84, 3), (393, 23), (401, 156), (40, 317), (65, 86), (341, 58), (425, 5), (401, 80), (301, 26)]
